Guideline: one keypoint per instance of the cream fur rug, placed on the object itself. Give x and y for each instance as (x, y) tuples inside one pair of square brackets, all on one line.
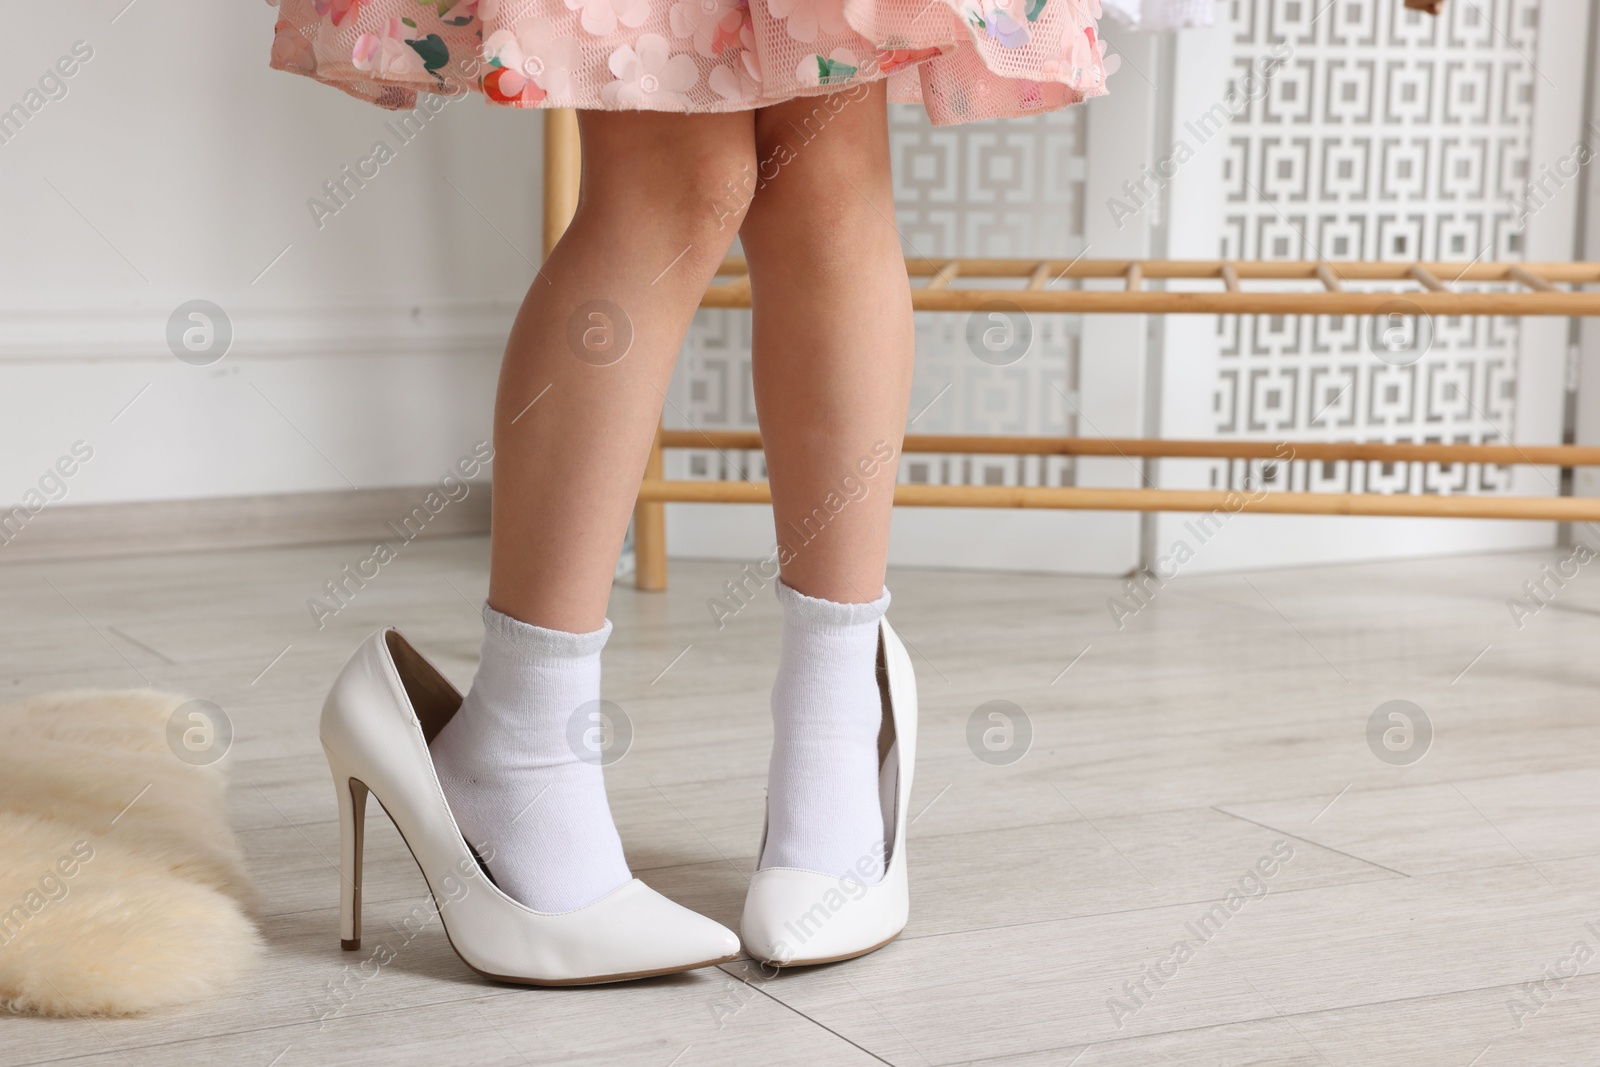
[(112, 905)]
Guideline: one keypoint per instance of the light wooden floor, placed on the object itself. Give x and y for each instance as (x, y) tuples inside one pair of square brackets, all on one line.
[(1228, 716)]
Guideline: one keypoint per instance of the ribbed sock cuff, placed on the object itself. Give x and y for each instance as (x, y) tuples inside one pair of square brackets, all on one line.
[(824, 615), (538, 644)]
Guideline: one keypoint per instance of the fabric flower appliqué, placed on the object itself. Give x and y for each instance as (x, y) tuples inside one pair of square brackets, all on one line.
[(290, 48), (531, 62), (338, 11), (836, 68), (651, 78), (739, 81), (714, 24), (454, 12), (1005, 21), (391, 54), (1088, 66), (804, 18), (1004, 28), (892, 59), (601, 17)]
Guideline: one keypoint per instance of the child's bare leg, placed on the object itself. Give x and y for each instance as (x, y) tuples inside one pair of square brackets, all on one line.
[(571, 439), (833, 358), (833, 332), (655, 188)]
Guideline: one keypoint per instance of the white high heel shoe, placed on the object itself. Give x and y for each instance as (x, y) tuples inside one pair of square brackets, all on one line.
[(795, 917), (386, 705)]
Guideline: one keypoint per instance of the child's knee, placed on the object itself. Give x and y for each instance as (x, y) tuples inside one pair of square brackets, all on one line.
[(722, 186), (700, 192)]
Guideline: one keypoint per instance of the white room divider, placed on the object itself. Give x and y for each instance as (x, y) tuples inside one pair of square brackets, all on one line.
[(1382, 133)]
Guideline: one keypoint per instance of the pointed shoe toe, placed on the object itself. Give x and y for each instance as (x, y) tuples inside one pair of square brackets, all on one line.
[(643, 933), (795, 918)]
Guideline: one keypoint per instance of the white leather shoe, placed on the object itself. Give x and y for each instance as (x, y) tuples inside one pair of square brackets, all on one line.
[(386, 705), (795, 917)]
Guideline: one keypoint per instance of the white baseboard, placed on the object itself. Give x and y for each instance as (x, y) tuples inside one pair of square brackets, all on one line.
[(162, 526)]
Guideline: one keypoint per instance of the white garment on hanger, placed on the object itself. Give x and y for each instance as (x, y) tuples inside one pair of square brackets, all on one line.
[(1156, 16)]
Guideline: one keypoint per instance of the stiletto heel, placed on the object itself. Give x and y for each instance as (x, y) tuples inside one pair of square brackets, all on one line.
[(795, 917), (386, 705), (352, 829)]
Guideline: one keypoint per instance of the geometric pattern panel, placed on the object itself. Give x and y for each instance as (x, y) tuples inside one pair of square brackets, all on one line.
[(999, 188), (1382, 134)]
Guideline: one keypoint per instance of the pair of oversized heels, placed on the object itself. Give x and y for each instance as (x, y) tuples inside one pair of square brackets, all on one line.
[(389, 702)]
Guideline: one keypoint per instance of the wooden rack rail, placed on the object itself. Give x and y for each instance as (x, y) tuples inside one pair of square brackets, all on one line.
[(1328, 451), (1558, 508), (1410, 288), (1207, 287)]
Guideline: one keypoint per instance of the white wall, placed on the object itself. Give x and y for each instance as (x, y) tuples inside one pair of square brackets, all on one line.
[(178, 166)]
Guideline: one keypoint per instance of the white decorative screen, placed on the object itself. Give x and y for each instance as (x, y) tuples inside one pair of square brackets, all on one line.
[(1387, 134)]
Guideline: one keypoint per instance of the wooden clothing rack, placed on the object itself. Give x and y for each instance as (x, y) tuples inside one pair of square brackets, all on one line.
[(1283, 288)]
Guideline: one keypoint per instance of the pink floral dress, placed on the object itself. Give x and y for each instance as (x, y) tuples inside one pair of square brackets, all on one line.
[(961, 59)]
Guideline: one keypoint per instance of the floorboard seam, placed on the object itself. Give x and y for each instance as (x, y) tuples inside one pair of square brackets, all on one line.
[(790, 1007), (1313, 844)]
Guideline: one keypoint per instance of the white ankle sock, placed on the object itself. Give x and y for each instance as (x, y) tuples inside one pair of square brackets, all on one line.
[(535, 811), (823, 808)]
